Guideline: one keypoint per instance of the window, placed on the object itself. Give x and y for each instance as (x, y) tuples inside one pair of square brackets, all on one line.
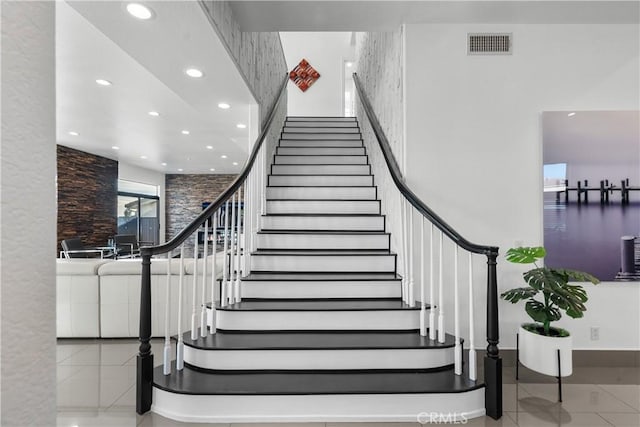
[(555, 176)]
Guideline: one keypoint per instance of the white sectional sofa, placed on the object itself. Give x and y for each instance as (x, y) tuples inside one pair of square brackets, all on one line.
[(78, 298), (101, 298)]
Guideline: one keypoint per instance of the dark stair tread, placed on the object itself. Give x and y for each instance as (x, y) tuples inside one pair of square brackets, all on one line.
[(315, 341), (320, 186), (323, 252), (347, 276), (356, 304), (191, 381), (324, 215), (328, 232)]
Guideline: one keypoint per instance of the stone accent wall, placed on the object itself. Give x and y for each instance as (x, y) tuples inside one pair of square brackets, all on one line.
[(87, 196), (259, 58), (258, 55), (185, 194), (379, 66)]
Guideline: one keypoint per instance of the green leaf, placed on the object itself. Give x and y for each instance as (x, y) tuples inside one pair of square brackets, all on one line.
[(578, 276), (518, 294), (540, 313), (541, 278), (525, 255)]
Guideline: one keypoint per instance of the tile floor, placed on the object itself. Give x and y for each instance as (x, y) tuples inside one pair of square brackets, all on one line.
[(96, 387)]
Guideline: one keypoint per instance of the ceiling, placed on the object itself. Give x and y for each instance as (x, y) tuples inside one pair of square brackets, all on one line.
[(602, 137), (365, 15), (145, 61)]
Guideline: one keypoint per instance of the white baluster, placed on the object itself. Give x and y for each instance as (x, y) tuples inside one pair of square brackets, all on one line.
[(236, 284), (441, 332), (214, 255), (472, 344), (405, 257), (194, 313), (225, 265), (432, 311), (203, 311), (248, 219), (457, 354), (167, 316), (232, 253), (180, 346), (423, 309), (412, 298), (263, 168)]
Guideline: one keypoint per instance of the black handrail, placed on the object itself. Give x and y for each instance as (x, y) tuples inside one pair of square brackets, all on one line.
[(226, 194), (492, 360), (144, 372), (398, 179)]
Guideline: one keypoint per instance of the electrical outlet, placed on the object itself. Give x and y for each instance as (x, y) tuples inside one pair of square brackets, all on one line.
[(595, 333)]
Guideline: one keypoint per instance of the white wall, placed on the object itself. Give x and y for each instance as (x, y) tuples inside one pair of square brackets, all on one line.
[(28, 215), (137, 174), (474, 140), (325, 51)]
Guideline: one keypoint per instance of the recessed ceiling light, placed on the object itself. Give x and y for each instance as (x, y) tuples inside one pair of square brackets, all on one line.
[(143, 157), (209, 147), (224, 156), (185, 132), (103, 82), (194, 72), (73, 133), (115, 147), (212, 169), (349, 64), (154, 113), (241, 126), (235, 163), (224, 106), (571, 114), (163, 164), (139, 11), (180, 170)]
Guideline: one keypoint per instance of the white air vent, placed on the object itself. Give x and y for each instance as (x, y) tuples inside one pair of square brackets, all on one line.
[(489, 43)]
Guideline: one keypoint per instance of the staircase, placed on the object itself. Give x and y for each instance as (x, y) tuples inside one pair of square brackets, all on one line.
[(322, 332)]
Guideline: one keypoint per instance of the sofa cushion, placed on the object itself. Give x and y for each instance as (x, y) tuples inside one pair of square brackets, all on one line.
[(189, 265), (79, 267), (132, 267)]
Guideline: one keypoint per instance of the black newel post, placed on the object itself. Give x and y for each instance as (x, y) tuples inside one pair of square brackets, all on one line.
[(144, 373), (492, 360)]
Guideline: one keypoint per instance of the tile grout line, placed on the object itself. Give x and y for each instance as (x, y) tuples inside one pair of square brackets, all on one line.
[(616, 397)]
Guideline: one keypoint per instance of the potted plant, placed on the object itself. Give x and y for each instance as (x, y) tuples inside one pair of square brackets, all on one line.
[(539, 342)]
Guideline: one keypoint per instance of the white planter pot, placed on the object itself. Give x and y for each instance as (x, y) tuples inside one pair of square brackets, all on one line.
[(540, 353)]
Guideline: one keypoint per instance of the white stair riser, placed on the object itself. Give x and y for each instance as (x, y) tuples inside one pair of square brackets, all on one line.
[(329, 124), (321, 119), (319, 359), (322, 241), (320, 160), (320, 180), (324, 263), (323, 136), (320, 143), (320, 169), (368, 223), (387, 320), (319, 129), (326, 193), (319, 408), (322, 151), (321, 289), (323, 207)]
